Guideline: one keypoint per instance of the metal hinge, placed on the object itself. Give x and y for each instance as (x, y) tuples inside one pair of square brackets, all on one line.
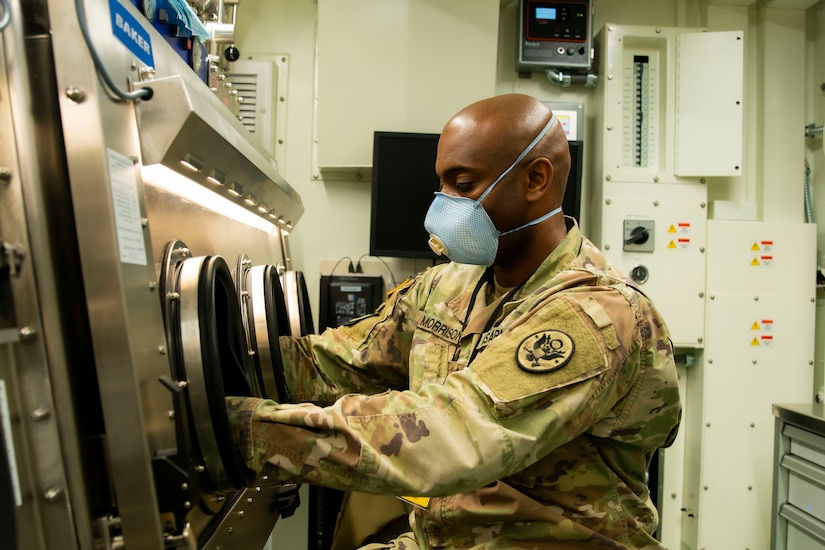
[(11, 259)]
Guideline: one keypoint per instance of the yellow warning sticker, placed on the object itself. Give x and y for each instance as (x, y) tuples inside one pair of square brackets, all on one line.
[(672, 244), (756, 247), (671, 229), (755, 262), (421, 502), (755, 326), (755, 341)]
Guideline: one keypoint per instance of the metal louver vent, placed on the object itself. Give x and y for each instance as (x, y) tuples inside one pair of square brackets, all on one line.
[(247, 86)]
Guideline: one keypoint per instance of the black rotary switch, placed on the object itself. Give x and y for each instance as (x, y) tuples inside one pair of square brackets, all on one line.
[(638, 235)]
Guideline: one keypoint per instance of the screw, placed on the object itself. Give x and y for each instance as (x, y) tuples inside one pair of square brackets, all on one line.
[(655, 203), (75, 94), (52, 494), (152, 285), (5, 174), (41, 413), (162, 350), (27, 334)]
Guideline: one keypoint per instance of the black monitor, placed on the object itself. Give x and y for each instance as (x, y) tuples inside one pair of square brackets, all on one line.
[(403, 183)]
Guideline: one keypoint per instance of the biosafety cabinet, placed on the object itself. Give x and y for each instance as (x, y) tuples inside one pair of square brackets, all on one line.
[(144, 274)]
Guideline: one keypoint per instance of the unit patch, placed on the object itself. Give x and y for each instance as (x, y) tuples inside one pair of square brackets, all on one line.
[(545, 351)]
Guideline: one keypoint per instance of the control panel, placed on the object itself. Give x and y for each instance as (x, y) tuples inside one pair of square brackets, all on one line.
[(554, 34)]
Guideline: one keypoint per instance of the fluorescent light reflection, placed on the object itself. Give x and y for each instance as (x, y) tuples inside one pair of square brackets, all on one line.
[(162, 177)]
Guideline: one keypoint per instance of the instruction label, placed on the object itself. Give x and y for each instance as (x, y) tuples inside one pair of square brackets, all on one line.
[(124, 184)]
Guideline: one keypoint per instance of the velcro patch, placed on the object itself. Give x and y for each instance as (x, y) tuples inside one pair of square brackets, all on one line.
[(530, 361)]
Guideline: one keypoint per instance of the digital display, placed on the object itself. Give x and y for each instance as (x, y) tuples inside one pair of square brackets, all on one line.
[(546, 13)]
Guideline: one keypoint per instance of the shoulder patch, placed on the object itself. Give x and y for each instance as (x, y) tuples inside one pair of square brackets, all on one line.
[(553, 349), (545, 351)]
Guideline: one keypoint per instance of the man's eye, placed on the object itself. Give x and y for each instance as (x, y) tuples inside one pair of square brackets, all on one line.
[(463, 185)]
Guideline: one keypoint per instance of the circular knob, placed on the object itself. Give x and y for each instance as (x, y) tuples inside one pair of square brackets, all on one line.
[(232, 53), (639, 274), (638, 235)]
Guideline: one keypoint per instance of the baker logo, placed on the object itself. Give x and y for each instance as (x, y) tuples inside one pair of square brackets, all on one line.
[(545, 351)]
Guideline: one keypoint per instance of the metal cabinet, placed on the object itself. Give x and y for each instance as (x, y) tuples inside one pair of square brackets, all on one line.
[(798, 520)]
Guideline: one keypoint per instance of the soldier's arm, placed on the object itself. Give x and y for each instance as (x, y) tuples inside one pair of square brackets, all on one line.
[(484, 423), (368, 355)]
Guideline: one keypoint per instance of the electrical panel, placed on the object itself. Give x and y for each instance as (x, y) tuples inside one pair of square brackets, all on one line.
[(653, 152), (554, 34)]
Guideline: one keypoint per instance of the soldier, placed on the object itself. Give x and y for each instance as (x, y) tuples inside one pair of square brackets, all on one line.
[(520, 390)]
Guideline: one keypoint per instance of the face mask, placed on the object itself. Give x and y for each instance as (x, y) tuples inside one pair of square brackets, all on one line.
[(460, 228)]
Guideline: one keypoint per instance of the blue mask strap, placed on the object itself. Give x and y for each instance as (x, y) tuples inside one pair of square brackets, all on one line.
[(534, 222), (520, 157)]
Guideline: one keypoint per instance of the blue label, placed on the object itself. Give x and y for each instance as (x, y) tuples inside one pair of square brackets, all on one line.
[(128, 30)]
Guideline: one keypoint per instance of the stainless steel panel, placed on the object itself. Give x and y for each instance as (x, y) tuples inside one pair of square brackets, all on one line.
[(83, 345)]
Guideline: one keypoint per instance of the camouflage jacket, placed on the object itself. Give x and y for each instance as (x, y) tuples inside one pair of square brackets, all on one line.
[(530, 420)]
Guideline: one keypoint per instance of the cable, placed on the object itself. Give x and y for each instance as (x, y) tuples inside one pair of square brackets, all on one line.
[(4, 22), (809, 216), (351, 269), (359, 270), (144, 93)]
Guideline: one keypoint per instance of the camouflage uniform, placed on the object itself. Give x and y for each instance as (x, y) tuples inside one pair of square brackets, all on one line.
[(530, 419)]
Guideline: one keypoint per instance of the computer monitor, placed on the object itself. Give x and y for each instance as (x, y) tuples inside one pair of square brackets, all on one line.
[(403, 183)]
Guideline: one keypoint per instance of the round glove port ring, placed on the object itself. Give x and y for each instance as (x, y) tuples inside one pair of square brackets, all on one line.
[(297, 304), (269, 320), (215, 363)]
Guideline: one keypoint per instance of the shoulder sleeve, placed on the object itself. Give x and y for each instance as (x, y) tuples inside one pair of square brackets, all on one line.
[(367, 355), (567, 340)]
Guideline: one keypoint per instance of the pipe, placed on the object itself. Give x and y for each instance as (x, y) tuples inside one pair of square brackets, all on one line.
[(564, 80)]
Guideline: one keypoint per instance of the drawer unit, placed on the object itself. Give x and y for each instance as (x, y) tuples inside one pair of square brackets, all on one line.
[(798, 521)]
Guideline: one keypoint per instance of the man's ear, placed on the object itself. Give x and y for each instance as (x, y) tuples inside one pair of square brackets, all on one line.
[(539, 178)]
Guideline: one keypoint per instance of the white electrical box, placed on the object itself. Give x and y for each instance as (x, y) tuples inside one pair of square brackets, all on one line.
[(668, 95), (669, 265), (759, 351)]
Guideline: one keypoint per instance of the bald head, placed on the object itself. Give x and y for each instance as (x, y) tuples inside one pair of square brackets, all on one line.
[(496, 130)]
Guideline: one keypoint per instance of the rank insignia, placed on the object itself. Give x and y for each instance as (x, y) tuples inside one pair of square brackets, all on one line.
[(545, 351)]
